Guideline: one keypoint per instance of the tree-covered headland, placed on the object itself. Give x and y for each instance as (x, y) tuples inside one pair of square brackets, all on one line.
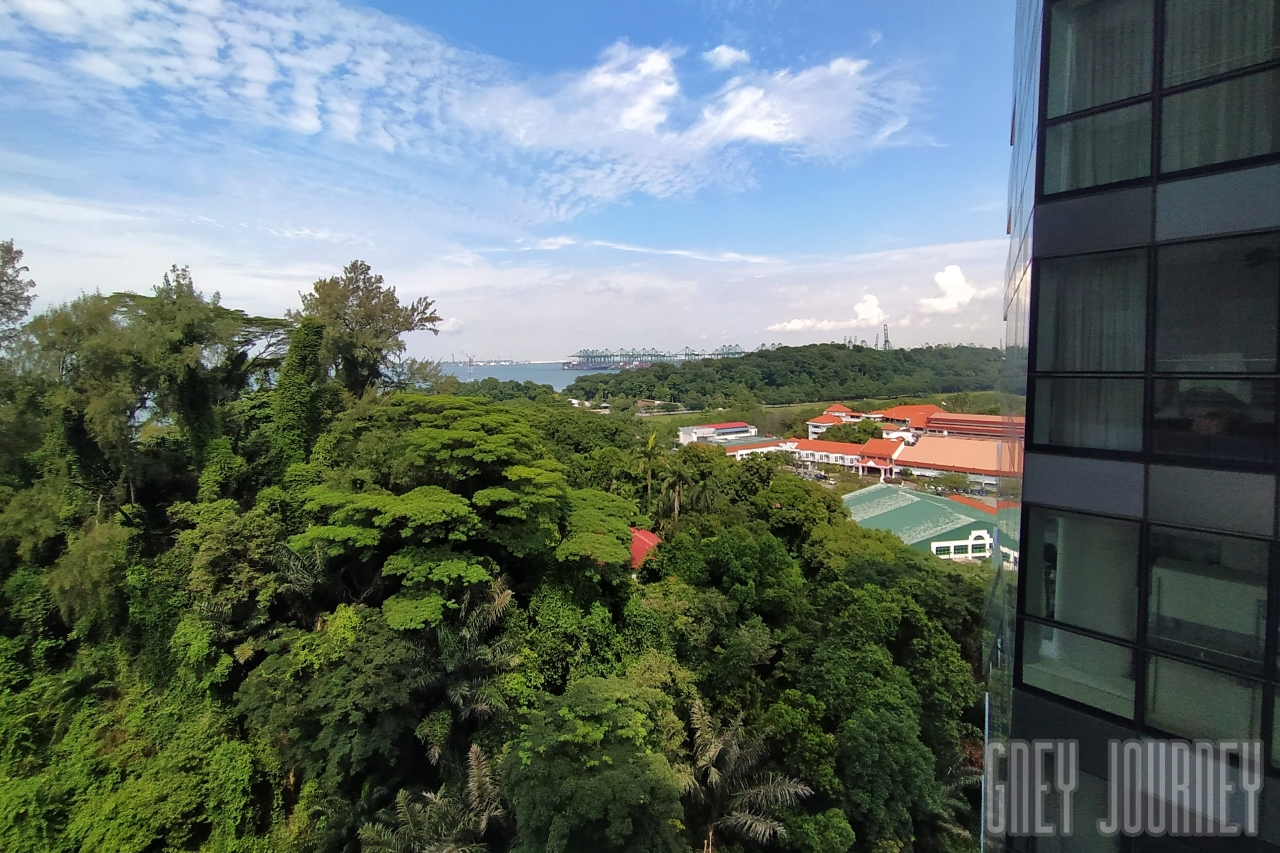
[(263, 587), (803, 374)]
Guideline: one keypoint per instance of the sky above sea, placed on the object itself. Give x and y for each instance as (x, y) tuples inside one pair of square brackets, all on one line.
[(555, 175)]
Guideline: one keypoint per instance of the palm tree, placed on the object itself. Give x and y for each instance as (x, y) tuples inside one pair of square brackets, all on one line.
[(724, 781), (649, 456), (677, 478), (469, 655), (438, 822)]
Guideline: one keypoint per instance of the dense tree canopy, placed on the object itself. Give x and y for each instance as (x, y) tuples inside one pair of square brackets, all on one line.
[(801, 374), (246, 605)]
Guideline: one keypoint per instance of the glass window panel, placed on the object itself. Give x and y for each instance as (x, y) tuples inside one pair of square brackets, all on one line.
[(1216, 124), (1099, 52), (1092, 313), (1083, 571), (1093, 672), (1203, 39), (1086, 412), (1101, 149), (1217, 304), (1208, 597), (1215, 418), (1192, 702)]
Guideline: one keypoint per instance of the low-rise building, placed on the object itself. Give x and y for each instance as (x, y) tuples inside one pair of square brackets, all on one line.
[(717, 432), (983, 460), (912, 418), (948, 529), (974, 426)]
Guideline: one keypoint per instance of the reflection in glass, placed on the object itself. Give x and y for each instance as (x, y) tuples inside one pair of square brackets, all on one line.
[(1208, 596), (1192, 702), (1083, 571), (1216, 124), (1099, 52), (1215, 418), (1086, 412), (1203, 39), (1101, 149), (1097, 674), (1092, 313), (1217, 303)]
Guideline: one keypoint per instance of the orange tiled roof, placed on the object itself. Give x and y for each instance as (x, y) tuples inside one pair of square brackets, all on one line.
[(881, 448), (917, 417), (839, 409), (826, 419), (966, 455)]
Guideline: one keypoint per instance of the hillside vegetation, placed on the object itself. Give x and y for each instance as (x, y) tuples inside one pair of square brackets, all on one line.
[(802, 374), (263, 588)]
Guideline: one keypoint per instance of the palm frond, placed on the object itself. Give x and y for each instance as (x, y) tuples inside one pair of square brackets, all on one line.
[(755, 827), (770, 792)]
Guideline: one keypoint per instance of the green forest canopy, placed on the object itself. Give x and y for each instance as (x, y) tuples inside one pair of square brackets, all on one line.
[(254, 598), (803, 374)]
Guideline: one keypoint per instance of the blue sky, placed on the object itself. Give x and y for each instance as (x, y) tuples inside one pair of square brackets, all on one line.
[(556, 175)]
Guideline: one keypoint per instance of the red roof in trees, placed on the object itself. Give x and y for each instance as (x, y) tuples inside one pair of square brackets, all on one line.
[(642, 543)]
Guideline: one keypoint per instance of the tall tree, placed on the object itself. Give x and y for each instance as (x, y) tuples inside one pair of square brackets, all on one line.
[(15, 296), (363, 321)]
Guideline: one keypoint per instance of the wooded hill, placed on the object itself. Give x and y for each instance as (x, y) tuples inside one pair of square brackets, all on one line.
[(802, 374)]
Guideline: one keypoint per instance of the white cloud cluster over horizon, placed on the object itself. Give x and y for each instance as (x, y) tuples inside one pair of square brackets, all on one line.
[(867, 314), (317, 68)]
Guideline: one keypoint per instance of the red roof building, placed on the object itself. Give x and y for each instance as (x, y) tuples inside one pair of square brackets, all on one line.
[(975, 426), (838, 409), (642, 544), (826, 419), (914, 417), (882, 448), (729, 425)]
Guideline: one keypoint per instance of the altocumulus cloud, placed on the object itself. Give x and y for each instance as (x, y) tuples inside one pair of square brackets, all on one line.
[(867, 313), (360, 77)]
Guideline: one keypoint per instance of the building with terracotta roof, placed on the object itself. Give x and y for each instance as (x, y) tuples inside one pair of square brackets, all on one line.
[(975, 426), (838, 409), (984, 460), (914, 418), (824, 422)]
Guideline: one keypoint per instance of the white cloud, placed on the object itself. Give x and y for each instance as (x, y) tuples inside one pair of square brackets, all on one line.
[(689, 253), (450, 324), (723, 57), (316, 68), (867, 314), (957, 292)]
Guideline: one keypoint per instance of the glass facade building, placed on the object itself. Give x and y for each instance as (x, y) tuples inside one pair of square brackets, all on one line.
[(1142, 305)]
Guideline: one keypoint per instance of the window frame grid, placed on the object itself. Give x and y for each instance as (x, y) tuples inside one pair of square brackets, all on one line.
[(1268, 675), (1149, 375), (1155, 96)]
